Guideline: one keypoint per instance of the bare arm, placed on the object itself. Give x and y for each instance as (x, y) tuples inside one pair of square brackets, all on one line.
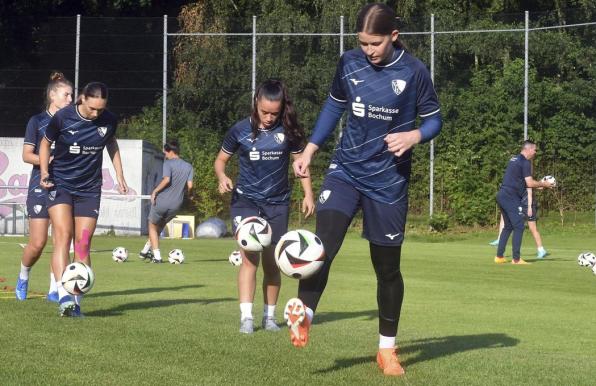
[(44, 162), (308, 203), (303, 160), (225, 183), (29, 155), (189, 187), (532, 183), (114, 152)]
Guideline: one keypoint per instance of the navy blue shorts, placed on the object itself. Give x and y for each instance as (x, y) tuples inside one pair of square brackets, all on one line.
[(36, 204), (534, 216), (384, 224), (276, 215), (82, 206)]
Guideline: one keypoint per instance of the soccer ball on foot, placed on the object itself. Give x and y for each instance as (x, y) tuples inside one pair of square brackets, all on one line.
[(120, 254), (253, 234), (77, 278), (176, 256), (235, 258), (299, 254)]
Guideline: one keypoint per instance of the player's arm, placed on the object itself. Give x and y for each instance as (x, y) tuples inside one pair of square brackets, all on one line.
[(308, 202), (114, 152), (44, 162), (326, 123), (29, 155), (529, 192), (532, 183), (225, 183)]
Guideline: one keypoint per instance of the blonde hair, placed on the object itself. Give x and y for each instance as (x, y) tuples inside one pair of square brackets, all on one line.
[(57, 79)]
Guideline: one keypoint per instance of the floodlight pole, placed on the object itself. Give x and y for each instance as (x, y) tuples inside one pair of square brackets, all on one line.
[(77, 55), (431, 186), (254, 55), (164, 99), (526, 59)]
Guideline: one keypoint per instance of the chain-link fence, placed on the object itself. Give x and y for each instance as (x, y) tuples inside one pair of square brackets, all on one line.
[(141, 59)]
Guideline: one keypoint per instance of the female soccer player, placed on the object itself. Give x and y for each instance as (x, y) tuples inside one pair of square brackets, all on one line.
[(383, 88), (80, 133), (58, 95), (264, 142)]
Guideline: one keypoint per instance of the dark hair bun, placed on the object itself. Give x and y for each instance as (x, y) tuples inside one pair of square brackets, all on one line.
[(56, 76)]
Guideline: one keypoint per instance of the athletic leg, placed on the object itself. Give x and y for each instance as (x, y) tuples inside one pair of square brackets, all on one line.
[(38, 236), (247, 282), (62, 233)]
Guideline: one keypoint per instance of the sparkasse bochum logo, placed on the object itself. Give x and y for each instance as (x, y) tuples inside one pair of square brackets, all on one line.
[(359, 109)]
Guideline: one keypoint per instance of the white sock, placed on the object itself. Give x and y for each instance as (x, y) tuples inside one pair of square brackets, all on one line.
[(146, 247), (245, 310), (61, 291), (156, 254), (269, 311), (78, 299), (53, 287), (386, 341), (24, 275), (540, 249), (310, 314)]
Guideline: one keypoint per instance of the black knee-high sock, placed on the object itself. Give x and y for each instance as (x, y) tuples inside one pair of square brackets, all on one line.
[(331, 228), (390, 286)]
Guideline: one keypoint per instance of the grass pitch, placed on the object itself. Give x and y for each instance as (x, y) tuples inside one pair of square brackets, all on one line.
[(465, 320)]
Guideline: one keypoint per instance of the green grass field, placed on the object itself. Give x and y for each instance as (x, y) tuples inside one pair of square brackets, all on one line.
[(465, 320)]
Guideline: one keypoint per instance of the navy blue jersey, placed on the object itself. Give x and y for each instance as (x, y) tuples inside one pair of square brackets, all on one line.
[(78, 154), (380, 100), (264, 162), (514, 180), (36, 128)]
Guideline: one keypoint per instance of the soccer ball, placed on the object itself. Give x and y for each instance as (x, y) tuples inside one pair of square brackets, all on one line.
[(77, 278), (594, 269), (550, 179), (582, 261), (590, 258), (176, 256), (235, 258), (253, 234), (299, 254), (120, 254)]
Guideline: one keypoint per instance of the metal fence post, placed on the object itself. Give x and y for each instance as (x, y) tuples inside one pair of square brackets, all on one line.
[(77, 53), (254, 56), (526, 46), (431, 186), (164, 106)]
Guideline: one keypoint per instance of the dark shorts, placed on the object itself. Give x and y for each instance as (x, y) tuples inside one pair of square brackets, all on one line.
[(534, 216), (36, 204), (82, 206), (160, 215), (511, 209), (384, 224), (276, 215)]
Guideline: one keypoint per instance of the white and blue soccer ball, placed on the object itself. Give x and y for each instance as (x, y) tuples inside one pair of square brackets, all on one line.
[(176, 256), (253, 234), (120, 254), (235, 258), (586, 259), (77, 278), (299, 254), (550, 179)]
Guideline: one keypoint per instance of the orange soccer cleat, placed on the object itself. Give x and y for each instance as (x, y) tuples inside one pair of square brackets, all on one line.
[(500, 260), (298, 322), (520, 262), (388, 362)]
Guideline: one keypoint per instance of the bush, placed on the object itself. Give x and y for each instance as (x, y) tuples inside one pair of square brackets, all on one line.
[(439, 222)]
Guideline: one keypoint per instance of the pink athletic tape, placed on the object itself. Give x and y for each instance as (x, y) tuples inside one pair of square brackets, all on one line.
[(82, 247)]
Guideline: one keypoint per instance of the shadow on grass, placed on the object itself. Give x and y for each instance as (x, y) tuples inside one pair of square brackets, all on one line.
[(325, 317), (122, 308), (432, 348), (141, 291)]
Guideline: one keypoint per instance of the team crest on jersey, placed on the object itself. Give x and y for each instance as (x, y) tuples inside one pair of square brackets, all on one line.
[(37, 209), (398, 86), (102, 131), (237, 221), (324, 196), (279, 138)]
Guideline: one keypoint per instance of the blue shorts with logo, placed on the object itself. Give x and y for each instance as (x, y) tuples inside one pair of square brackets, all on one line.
[(36, 204), (82, 205), (276, 215), (534, 216), (384, 224)]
